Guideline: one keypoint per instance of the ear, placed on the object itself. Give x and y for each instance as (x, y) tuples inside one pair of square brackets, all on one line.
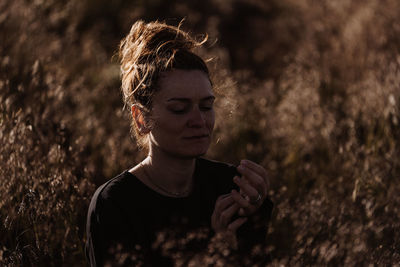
[(137, 115)]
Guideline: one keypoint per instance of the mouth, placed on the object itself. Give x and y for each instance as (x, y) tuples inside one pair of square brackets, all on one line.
[(197, 137)]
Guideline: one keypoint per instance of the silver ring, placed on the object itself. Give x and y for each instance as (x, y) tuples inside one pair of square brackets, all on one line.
[(258, 199)]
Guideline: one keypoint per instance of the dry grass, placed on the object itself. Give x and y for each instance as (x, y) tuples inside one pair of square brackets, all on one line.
[(312, 92)]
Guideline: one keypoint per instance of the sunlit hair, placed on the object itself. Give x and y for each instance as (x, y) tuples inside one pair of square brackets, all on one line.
[(148, 50)]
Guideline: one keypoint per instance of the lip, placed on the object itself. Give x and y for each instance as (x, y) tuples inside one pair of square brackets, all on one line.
[(197, 137)]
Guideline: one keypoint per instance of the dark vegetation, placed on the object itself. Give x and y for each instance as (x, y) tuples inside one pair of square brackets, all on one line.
[(311, 91)]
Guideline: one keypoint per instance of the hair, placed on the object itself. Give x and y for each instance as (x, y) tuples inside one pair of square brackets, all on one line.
[(145, 53)]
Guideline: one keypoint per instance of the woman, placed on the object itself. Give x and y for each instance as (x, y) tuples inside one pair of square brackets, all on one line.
[(174, 191)]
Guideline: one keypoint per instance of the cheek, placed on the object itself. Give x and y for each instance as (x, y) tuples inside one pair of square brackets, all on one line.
[(169, 125), (210, 121)]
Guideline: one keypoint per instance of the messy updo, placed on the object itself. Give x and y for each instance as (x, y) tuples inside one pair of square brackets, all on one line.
[(148, 50)]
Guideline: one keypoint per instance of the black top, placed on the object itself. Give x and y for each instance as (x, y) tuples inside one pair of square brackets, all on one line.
[(126, 214)]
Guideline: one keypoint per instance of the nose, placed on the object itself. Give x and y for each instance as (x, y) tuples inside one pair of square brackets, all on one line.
[(196, 119)]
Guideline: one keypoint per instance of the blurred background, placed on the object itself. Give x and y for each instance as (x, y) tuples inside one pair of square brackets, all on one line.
[(309, 89)]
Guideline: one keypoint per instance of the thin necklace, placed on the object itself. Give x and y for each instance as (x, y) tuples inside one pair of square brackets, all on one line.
[(175, 194)]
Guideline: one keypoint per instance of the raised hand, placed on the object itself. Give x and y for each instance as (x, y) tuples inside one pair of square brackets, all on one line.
[(253, 184), (221, 219)]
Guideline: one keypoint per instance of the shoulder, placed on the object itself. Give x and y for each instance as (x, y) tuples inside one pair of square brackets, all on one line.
[(106, 219), (113, 191)]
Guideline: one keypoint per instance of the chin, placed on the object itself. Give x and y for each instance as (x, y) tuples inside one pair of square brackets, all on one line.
[(201, 151), (195, 153)]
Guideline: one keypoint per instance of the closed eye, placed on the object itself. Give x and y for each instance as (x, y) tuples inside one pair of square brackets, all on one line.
[(206, 108), (179, 109)]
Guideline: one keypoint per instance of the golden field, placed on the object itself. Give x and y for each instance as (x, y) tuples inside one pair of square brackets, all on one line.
[(309, 89)]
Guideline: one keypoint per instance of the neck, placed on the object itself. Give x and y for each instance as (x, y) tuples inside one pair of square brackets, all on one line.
[(170, 172)]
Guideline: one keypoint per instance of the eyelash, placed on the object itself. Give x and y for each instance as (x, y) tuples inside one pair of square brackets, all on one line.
[(206, 108), (185, 110)]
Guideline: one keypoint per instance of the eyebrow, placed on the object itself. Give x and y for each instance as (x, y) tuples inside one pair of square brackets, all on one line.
[(182, 99)]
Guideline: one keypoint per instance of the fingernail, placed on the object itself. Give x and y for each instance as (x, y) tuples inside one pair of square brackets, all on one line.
[(241, 212)]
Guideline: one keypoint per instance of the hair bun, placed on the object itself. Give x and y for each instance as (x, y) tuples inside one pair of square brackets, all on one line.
[(148, 50)]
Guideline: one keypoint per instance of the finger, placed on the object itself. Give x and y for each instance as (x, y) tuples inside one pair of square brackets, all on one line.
[(260, 170), (256, 180), (240, 200), (253, 176), (223, 196), (226, 215), (223, 202), (233, 226), (247, 188), (254, 166)]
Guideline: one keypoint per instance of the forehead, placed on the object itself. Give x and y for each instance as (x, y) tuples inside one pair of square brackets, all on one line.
[(191, 84)]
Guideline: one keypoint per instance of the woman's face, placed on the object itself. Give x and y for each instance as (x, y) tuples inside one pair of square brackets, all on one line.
[(183, 115)]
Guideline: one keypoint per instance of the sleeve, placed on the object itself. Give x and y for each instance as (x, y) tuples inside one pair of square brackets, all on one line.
[(107, 231)]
